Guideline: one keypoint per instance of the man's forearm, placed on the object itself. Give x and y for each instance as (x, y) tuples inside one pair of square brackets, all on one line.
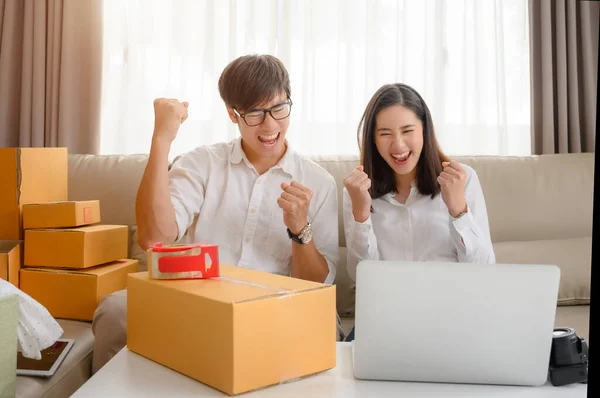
[(155, 215), (308, 263)]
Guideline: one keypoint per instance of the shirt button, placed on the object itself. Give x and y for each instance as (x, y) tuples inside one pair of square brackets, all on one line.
[(247, 239), (252, 211)]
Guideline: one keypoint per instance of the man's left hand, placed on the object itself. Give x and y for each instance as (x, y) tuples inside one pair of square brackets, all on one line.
[(294, 201)]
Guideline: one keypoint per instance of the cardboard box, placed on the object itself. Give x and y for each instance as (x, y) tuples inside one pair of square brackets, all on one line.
[(61, 214), (81, 247), (75, 294), (243, 331), (10, 260), (29, 175)]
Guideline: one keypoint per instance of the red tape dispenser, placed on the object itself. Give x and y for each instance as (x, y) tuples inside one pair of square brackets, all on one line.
[(195, 261)]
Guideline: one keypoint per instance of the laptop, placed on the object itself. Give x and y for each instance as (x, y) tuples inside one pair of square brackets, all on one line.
[(454, 322)]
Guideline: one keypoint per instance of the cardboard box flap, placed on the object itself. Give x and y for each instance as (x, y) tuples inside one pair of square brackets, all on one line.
[(109, 267), (98, 270), (59, 202), (87, 228), (237, 285), (57, 270), (279, 293), (266, 278), (7, 245), (64, 202)]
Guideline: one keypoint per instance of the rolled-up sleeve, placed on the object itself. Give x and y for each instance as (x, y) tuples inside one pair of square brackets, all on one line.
[(325, 229), (471, 232), (187, 181), (361, 242)]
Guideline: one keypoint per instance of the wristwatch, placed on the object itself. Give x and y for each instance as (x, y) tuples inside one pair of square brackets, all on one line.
[(303, 237)]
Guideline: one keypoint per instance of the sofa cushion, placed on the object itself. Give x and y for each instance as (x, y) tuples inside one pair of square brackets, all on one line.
[(345, 288), (571, 316), (111, 179), (524, 197), (338, 167), (75, 370), (137, 252), (523, 194), (537, 197), (575, 317), (572, 256)]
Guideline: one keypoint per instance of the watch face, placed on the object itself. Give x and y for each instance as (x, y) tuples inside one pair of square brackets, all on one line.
[(307, 236)]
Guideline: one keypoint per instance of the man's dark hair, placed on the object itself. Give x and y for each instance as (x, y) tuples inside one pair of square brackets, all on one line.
[(253, 79)]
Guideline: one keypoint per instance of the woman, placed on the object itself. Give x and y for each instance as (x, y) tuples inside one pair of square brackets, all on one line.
[(407, 200)]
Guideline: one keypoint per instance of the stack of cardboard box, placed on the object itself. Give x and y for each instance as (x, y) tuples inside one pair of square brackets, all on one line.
[(69, 260), (27, 175)]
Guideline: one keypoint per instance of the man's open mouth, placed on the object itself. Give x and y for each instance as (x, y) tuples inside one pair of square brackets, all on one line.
[(269, 140)]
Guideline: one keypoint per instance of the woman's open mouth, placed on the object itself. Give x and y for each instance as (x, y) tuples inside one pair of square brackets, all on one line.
[(401, 158)]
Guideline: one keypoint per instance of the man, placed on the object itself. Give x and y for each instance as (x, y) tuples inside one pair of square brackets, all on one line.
[(267, 207)]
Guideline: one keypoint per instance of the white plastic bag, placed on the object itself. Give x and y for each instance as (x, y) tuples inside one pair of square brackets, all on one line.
[(37, 329)]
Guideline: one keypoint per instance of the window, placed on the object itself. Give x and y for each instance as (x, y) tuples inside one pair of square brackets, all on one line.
[(469, 59)]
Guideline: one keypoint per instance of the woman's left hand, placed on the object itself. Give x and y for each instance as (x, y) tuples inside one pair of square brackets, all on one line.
[(452, 180)]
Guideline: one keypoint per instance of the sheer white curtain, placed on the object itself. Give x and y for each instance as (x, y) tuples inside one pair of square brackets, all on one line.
[(468, 58)]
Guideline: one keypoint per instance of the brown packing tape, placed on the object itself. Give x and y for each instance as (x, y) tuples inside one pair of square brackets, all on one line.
[(278, 290)]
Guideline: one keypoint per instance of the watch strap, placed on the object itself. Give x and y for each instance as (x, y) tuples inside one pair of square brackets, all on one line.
[(298, 238), (295, 238)]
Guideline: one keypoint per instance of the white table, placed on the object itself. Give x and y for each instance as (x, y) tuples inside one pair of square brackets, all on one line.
[(131, 375)]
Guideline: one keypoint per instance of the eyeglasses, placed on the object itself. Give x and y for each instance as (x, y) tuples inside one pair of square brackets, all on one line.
[(257, 116)]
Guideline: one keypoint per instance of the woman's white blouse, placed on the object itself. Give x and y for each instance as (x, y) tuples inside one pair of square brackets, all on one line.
[(420, 230)]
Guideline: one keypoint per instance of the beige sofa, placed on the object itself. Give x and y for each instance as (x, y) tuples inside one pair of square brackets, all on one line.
[(540, 211)]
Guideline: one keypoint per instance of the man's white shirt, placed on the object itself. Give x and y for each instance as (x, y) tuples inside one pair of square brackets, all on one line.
[(219, 198)]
